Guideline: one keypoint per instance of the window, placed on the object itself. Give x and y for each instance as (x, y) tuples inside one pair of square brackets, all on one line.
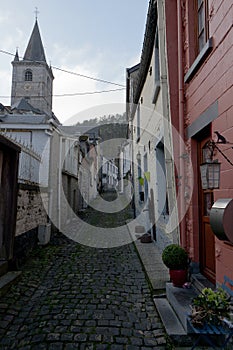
[(157, 68), (162, 197), (203, 30), (201, 39), (28, 75), (146, 185), (140, 185)]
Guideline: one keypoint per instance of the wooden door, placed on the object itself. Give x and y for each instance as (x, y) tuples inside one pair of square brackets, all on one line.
[(2, 205), (207, 239)]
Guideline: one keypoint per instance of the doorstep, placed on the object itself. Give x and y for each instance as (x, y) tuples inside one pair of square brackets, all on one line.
[(171, 322), (180, 300), (174, 308)]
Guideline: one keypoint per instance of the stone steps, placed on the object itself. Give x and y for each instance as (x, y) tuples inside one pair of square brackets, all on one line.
[(7, 280), (173, 309), (199, 282), (171, 322), (180, 300), (173, 312)]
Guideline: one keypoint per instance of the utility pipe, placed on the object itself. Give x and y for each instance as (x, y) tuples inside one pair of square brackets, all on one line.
[(181, 124), (59, 178)]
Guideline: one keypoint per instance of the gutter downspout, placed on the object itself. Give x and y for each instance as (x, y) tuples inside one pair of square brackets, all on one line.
[(131, 141), (181, 124), (59, 183), (50, 190)]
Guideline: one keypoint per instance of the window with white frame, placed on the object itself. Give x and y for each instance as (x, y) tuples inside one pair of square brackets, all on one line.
[(203, 23)]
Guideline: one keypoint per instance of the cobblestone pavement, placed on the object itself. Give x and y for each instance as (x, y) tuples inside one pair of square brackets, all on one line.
[(71, 296)]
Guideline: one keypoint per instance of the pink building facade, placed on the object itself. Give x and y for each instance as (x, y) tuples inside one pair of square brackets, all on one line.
[(200, 44)]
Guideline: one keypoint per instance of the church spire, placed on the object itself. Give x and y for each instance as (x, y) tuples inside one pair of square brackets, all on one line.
[(16, 59), (32, 77), (35, 49)]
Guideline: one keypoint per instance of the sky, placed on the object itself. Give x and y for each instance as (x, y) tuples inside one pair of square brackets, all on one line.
[(99, 39)]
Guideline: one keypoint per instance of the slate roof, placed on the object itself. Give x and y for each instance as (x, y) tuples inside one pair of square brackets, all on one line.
[(35, 49), (24, 105), (24, 119), (24, 112), (147, 50)]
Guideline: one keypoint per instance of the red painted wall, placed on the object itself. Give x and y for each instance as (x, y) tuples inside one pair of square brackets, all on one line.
[(213, 82)]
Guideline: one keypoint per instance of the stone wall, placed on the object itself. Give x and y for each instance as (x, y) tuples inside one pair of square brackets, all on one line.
[(30, 209), (30, 214)]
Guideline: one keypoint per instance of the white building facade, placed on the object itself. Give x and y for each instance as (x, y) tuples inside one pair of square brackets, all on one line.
[(109, 175), (150, 134), (30, 123)]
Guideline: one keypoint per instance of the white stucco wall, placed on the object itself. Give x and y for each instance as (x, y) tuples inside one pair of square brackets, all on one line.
[(154, 136), (34, 156)]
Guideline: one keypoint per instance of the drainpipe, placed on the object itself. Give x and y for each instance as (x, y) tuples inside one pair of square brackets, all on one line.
[(50, 190), (59, 179), (130, 123), (181, 122)]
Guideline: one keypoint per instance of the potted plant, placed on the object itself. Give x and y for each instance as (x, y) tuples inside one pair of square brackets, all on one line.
[(210, 307), (176, 259)]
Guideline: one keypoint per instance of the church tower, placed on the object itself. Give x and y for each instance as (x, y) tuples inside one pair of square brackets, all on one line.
[(32, 78)]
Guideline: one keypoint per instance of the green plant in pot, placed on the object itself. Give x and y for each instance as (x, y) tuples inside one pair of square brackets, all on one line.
[(176, 259), (209, 307)]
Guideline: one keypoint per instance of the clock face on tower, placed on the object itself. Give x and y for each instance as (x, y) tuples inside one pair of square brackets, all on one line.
[(27, 87)]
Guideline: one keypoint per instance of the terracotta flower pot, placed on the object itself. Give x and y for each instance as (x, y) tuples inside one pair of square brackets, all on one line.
[(178, 277)]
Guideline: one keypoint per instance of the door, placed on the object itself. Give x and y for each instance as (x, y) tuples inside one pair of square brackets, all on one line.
[(2, 205), (207, 238)]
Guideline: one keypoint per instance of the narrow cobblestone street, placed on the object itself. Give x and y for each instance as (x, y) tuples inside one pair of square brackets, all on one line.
[(71, 296)]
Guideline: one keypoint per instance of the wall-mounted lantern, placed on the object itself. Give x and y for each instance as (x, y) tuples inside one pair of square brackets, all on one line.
[(210, 174), (139, 157)]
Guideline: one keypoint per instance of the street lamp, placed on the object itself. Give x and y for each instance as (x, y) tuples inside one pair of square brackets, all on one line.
[(138, 157), (210, 174)]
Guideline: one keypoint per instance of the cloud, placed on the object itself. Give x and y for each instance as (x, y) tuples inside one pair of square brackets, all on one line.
[(83, 106), (64, 55), (5, 87), (64, 83), (4, 17), (88, 64)]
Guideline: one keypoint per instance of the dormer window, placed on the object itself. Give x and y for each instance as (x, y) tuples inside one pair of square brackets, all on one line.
[(28, 75)]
